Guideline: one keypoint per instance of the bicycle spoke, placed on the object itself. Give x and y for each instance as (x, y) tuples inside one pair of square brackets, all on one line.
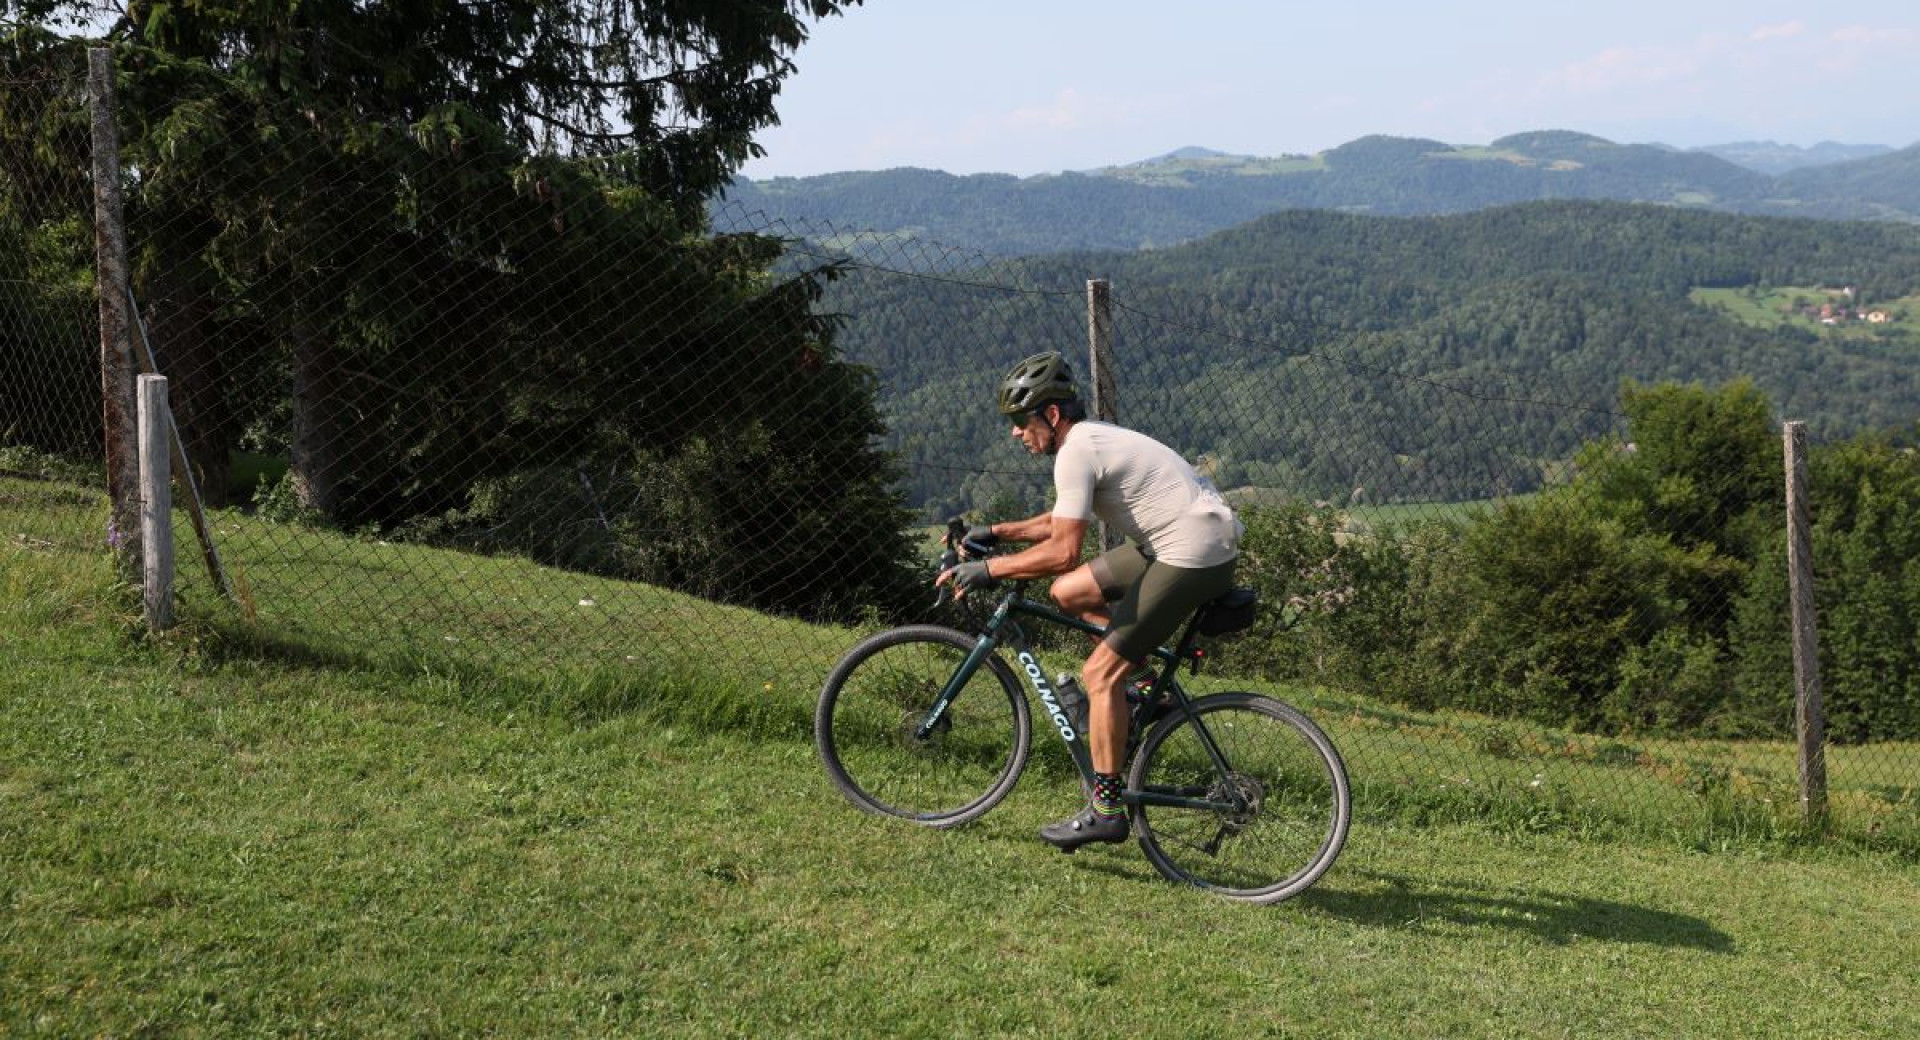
[(1287, 787), (873, 735)]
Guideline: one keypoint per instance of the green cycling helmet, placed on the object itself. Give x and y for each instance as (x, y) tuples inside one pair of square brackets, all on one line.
[(1036, 381)]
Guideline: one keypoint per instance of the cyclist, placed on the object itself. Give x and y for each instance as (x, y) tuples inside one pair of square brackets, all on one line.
[(1184, 543)]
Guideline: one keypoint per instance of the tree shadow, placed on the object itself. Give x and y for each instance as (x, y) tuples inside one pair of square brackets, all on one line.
[(1391, 901)]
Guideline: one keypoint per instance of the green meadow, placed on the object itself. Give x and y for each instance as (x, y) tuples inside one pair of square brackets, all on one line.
[(400, 791)]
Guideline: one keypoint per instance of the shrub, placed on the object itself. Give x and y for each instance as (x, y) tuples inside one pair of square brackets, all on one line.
[(1866, 552)]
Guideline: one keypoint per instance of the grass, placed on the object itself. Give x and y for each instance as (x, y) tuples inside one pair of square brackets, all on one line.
[(215, 833), (1784, 305), (509, 635)]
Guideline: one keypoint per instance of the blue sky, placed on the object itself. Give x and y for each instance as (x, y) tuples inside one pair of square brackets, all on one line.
[(1035, 86)]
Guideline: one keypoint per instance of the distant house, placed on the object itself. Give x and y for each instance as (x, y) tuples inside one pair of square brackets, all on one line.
[(1877, 317)]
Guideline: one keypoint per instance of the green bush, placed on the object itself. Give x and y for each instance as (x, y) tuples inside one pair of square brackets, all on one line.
[(1673, 683), (1291, 556), (1567, 618), (729, 517), (1865, 496), (1333, 603)]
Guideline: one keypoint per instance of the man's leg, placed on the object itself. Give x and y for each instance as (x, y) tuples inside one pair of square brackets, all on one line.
[(1089, 591), (1103, 676), (1078, 593), (1105, 818)]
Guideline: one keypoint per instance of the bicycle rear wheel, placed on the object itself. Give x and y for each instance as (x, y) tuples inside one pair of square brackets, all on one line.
[(1284, 777), (874, 706)]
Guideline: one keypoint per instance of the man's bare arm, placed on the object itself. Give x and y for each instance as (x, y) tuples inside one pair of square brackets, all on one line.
[(1035, 529), (1057, 553)]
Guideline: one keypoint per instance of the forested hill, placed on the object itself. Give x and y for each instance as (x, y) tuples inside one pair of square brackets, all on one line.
[(1189, 194), (1425, 358), (1887, 185)]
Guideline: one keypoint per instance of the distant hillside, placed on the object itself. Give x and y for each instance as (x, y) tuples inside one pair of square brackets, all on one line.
[(1193, 192), (1883, 187), (1774, 159), (1435, 358)]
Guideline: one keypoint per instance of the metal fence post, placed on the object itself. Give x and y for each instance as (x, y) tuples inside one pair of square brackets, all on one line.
[(116, 339), (1809, 719), (156, 504)]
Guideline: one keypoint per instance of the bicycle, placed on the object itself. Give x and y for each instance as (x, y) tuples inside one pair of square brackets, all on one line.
[(1237, 793)]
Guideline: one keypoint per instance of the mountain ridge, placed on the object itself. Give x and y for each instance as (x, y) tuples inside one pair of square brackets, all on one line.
[(1194, 191)]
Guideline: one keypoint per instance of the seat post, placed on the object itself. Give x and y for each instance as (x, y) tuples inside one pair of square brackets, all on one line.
[(1184, 650)]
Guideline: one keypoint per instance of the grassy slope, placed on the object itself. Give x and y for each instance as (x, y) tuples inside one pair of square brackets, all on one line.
[(198, 841), (1775, 307)]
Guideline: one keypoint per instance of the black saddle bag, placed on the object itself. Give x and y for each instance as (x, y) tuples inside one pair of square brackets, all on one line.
[(1229, 612)]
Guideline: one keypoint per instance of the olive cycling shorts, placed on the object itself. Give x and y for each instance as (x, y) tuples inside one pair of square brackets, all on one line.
[(1151, 600)]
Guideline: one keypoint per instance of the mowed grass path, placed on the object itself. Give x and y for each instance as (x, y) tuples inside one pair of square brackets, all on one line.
[(194, 842)]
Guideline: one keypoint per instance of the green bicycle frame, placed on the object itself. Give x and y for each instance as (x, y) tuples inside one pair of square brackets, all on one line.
[(1002, 629)]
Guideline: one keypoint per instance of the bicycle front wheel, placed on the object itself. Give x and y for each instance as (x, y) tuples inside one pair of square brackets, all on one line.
[(1262, 830), (871, 728)]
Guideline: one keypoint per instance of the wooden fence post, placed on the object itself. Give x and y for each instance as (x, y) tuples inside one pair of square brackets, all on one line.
[(1100, 350), (1100, 369), (116, 338), (1809, 719), (156, 503)]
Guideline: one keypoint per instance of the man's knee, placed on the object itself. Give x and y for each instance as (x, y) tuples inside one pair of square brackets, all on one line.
[(1076, 592)]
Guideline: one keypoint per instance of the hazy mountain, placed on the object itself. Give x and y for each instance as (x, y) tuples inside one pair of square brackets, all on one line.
[(1195, 153), (1883, 187), (1774, 159), (1195, 191)]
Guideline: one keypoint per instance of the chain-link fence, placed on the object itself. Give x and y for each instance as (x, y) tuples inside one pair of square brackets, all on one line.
[(477, 409)]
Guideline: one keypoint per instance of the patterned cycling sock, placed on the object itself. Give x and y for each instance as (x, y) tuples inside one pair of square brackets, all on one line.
[(1106, 796)]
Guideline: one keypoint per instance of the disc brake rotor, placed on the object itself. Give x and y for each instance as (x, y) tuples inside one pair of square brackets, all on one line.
[(1247, 792)]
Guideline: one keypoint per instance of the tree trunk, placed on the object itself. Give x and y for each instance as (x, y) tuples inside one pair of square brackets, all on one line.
[(320, 424), (178, 328)]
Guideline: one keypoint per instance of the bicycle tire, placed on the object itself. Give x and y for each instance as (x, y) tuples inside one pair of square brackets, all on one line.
[(875, 700), (1287, 770)]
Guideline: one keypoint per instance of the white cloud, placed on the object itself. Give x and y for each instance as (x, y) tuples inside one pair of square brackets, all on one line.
[(1069, 109), (1618, 67), (1867, 35), (1852, 47), (1782, 31)]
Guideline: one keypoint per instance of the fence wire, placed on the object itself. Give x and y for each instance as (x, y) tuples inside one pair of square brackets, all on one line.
[(479, 409)]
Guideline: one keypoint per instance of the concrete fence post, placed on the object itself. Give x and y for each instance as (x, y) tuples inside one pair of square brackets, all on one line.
[(156, 503)]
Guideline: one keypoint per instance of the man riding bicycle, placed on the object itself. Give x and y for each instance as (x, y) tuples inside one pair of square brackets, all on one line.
[(1184, 543)]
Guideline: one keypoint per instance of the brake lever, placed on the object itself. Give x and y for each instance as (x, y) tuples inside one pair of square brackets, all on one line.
[(948, 561)]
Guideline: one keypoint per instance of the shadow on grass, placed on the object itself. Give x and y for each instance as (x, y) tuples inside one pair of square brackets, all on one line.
[(1391, 901), (1397, 902)]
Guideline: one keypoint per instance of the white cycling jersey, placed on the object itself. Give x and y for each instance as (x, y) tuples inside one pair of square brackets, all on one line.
[(1147, 491)]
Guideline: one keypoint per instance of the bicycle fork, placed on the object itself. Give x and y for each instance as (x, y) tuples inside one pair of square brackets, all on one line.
[(1037, 681)]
